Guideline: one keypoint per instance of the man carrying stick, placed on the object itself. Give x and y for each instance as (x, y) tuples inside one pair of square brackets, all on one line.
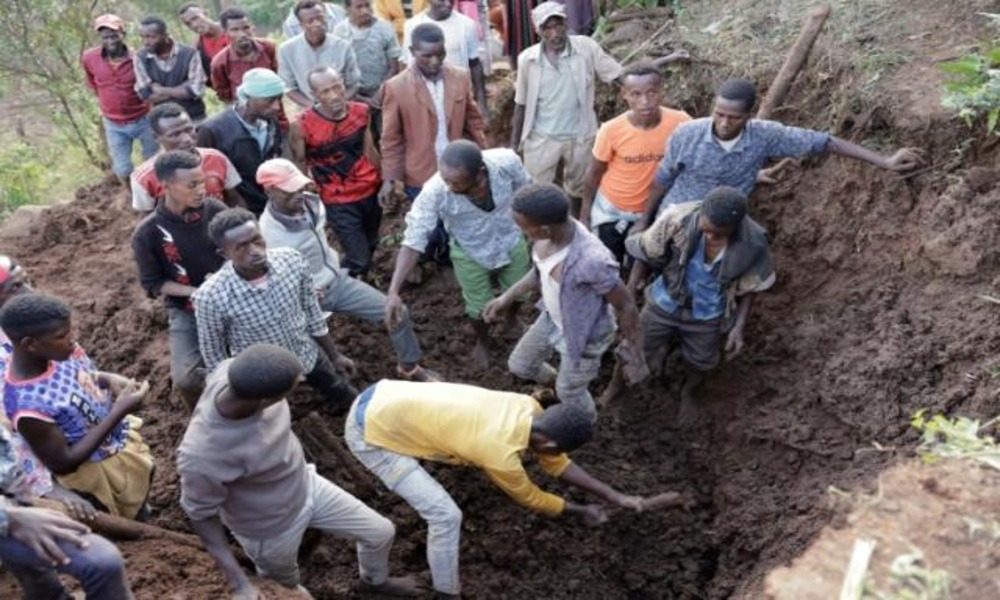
[(394, 424)]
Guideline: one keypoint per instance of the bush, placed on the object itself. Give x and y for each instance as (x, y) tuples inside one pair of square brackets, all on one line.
[(973, 86), (22, 175)]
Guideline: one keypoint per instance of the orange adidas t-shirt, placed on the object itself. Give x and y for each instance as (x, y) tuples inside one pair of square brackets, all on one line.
[(632, 155)]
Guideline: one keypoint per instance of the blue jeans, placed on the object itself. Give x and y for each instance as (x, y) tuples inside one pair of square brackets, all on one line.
[(187, 370), (121, 138), (348, 296), (100, 569)]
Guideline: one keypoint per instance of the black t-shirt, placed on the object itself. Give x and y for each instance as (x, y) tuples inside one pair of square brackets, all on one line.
[(168, 247)]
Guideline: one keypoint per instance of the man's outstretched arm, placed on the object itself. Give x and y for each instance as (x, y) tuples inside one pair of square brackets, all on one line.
[(903, 159)]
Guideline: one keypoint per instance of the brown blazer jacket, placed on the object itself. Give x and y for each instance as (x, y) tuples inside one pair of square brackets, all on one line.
[(409, 123)]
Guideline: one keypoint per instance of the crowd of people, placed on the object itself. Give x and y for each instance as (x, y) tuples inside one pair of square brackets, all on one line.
[(359, 111)]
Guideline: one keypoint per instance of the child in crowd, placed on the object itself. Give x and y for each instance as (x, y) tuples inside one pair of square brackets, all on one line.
[(74, 418)]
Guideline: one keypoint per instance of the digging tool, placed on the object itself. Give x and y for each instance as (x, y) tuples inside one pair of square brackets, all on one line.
[(647, 504), (120, 528), (664, 500), (790, 69)]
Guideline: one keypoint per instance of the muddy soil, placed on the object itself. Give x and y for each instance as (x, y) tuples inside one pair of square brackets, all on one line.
[(950, 535), (875, 315)]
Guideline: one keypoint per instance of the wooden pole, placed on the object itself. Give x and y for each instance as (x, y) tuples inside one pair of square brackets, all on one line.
[(790, 69), (120, 528), (793, 62)]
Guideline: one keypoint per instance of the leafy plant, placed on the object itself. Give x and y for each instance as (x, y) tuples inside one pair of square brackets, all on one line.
[(913, 580), (973, 86), (22, 173), (955, 438)]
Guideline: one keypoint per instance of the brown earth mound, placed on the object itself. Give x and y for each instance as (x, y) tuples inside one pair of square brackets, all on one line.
[(874, 316)]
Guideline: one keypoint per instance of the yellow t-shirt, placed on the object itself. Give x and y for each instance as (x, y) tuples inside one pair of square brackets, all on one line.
[(464, 425), (632, 155), (392, 11)]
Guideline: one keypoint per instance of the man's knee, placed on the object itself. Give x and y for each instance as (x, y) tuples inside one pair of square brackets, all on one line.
[(703, 353), (188, 382), (101, 556), (520, 368), (382, 532), (445, 517)]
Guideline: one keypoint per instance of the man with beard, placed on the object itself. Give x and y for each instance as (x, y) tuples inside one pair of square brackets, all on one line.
[(167, 71), (244, 52), (314, 47), (212, 38), (332, 139), (248, 132), (111, 75), (173, 130)]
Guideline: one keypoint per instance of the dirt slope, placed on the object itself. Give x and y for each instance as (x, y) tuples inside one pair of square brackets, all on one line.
[(874, 316)]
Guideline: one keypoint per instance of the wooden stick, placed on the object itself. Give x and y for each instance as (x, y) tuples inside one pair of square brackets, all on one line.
[(121, 528), (648, 41), (657, 12), (796, 58), (854, 579), (664, 500)]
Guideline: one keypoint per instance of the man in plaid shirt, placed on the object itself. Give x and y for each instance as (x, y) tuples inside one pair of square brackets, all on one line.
[(263, 296)]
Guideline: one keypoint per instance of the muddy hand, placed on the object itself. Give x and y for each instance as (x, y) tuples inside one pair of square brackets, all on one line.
[(734, 344), (133, 395), (766, 176), (629, 502), (345, 366), (393, 310), (77, 507), (905, 159), (493, 309), (594, 515), (247, 592)]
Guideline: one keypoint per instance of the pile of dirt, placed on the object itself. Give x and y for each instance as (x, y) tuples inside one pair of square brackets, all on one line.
[(874, 316), (948, 539)]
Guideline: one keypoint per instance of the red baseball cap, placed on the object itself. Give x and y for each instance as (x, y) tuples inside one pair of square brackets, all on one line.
[(281, 173), (110, 21)]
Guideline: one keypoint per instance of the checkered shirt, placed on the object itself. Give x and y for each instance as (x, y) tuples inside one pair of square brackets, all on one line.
[(234, 314)]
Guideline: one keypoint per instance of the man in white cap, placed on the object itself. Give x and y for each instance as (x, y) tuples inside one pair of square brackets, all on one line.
[(554, 118), (111, 76), (295, 218), (248, 132)]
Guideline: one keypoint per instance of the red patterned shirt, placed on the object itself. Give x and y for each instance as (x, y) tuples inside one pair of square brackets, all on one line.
[(220, 175), (335, 153)]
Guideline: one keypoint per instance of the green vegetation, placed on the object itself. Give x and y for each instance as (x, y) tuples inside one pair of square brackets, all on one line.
[(21, 175), (911, 579), (973, 86), (955, 438)]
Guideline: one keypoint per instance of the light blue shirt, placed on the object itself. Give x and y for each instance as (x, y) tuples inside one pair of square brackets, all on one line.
[(258, 131), (701, 279)]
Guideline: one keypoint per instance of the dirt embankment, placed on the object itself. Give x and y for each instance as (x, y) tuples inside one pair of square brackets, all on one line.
[(875, 315)]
